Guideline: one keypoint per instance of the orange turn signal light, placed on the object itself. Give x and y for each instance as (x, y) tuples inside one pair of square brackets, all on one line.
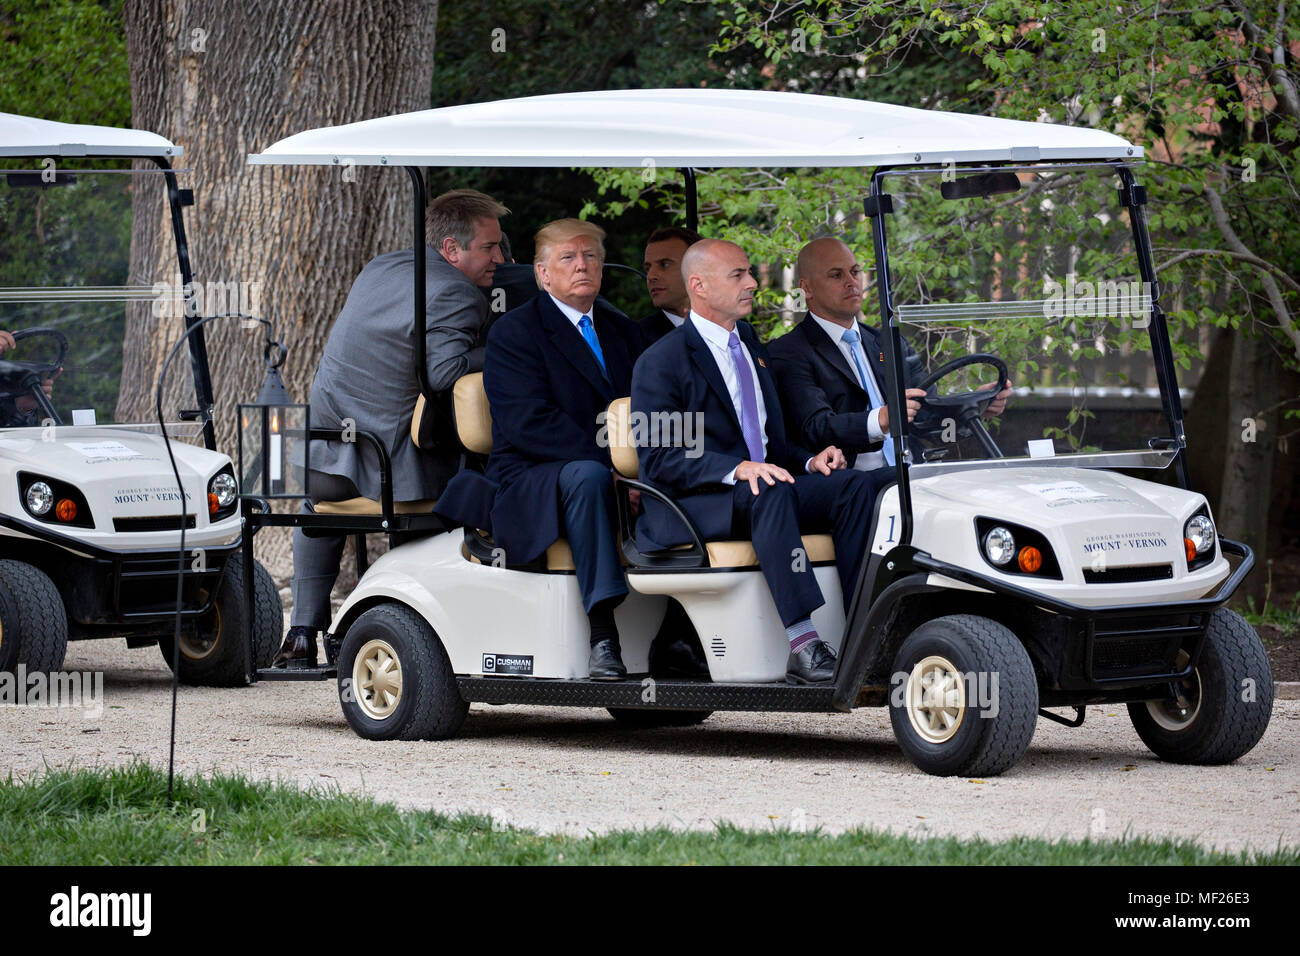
[(213, 504), (66, 509), (1030, 559), (1190, 545)]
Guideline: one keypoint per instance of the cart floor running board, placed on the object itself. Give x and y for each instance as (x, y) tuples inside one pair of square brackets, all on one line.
[(644, 694), (327, 672)]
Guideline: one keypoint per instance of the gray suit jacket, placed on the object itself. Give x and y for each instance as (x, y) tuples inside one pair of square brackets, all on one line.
[(367, 371)]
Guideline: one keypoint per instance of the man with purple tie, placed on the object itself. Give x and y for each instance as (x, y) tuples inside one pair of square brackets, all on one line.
[(749, 480)]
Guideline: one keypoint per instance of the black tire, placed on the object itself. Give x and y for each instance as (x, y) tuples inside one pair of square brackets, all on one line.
[(33, 624), (644, 719), (427, 704), (974, 737), (1230, 696), (213, 651)]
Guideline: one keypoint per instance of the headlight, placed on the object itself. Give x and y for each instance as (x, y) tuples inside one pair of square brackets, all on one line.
[(999, 546), (40, 497), (223, 486), (1199, 533)]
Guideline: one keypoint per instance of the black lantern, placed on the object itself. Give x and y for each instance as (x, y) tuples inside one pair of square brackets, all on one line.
[(273, 437)]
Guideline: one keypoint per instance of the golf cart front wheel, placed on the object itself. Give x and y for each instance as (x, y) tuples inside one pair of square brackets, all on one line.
[(963, 697), (213, 648), (1223, 707), (395, 680), (33, 624)]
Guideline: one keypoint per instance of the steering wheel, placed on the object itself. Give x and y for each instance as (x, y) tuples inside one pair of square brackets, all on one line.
[(24, 378), (967, 408)]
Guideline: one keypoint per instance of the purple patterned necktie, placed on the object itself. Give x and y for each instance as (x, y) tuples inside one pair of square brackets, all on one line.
[(748, 401)]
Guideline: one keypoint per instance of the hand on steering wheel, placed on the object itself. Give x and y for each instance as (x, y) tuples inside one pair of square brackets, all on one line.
[(27, 382), (966, 408)]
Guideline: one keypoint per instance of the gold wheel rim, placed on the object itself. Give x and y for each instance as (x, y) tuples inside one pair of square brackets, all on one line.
[(1178, 715), (377, 679), (935, 699), (194, 644)]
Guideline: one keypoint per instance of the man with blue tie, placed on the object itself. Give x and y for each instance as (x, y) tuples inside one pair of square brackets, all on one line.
[(742, 482), (830, 368), (551, 368)]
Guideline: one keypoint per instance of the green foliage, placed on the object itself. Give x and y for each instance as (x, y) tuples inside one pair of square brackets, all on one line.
[(120, 817), (1187, 82), (65, 60)]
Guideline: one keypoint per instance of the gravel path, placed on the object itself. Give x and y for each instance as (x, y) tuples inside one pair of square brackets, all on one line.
[(575, 771)]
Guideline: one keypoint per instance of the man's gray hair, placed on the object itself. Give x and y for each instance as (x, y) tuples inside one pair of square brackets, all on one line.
[(456, 214)]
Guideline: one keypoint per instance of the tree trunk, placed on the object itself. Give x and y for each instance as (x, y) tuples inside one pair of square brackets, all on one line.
[(224, 83), (1250, 446)]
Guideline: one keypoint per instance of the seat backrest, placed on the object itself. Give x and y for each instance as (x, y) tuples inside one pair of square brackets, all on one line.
[(417, 420), (619, 430), (473, 417)]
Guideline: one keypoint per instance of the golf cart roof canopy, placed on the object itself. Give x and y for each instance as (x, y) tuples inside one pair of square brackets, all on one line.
[(688, 127), (28, 136)]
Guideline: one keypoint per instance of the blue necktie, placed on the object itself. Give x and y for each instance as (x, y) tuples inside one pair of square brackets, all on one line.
[(854, 338), (589, 334), (748, 401)]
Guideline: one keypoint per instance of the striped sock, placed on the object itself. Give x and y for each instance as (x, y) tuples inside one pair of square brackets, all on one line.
[(801, 634)]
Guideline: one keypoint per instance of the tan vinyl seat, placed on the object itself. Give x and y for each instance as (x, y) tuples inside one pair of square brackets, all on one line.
[(417, 419), (722, 554), (473, 416), (474, 428), (369, 506)]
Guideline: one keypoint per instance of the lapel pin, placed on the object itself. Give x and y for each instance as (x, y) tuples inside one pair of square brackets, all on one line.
[(762, 363)]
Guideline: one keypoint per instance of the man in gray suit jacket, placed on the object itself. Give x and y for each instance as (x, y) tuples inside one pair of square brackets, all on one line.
[(367, 381)]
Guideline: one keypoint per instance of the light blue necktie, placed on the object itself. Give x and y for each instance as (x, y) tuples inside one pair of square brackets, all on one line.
[(854, 338), (589, 334)]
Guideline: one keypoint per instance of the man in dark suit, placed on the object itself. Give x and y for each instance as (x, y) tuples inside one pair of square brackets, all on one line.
[(663, 278), (367, 380), (740, 482), (830, 368), (552, 367)]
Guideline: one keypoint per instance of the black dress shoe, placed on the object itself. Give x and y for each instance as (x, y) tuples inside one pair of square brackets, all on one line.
[(298, 649), (815, 664), (679, 658), (605, 662)]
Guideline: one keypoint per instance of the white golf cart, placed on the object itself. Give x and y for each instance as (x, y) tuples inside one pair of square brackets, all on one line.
[(997, 585), (90, 513)]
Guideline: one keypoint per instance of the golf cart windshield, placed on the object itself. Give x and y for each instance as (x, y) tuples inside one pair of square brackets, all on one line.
[(73, 291), (1036, 266)]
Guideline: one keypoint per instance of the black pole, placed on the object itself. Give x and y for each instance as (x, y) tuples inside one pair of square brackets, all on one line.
[(420, 202), (198, 345), (1134, 199), (195, 328), (692, 200), (894, 387)]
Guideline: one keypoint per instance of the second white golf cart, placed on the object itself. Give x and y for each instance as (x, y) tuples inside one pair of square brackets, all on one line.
[(90, 515), (997, 586)]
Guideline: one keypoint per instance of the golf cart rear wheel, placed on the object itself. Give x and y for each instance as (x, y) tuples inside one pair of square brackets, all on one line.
[(1220, 711), (964, 697), (212, 648), (645, 719), (33, 624), (395, 681)]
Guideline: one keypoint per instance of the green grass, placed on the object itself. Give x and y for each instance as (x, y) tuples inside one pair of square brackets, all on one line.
[(120, 816), (1286, 620)]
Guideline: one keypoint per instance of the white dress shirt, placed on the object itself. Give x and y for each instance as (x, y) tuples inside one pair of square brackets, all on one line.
[(573, 315), (716, 337), (676, 320), (867, 460)]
